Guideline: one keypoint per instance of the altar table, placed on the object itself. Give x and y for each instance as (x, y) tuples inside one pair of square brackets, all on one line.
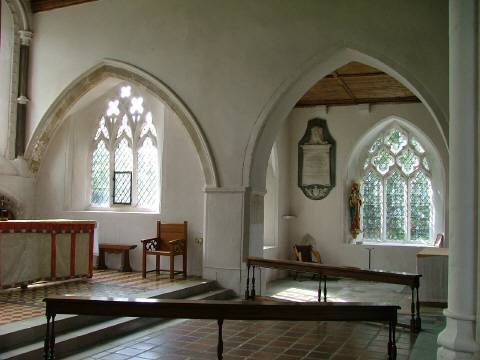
[(433, 264), (34, 250)]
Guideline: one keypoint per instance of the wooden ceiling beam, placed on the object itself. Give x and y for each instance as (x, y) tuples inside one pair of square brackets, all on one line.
[(345, 86), (353, 75), (386, 100), (44, 5)]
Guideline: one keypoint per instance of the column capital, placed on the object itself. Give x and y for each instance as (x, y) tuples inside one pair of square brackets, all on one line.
[(25, 37), (23, 100)]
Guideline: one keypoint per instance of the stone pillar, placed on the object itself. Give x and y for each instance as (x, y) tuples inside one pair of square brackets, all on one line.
[(233, 231), (22, 99), (457, 340), (224, 235)]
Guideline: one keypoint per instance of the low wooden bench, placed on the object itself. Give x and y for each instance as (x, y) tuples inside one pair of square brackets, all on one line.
[(217, 310), (118, 249), (389, 277)]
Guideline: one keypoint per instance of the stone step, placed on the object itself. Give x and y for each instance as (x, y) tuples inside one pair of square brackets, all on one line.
[(218, 294), (77, 332)]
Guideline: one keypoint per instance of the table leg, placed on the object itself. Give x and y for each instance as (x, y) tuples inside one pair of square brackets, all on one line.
[(46, 345), (412, 310), (319, 297), (252, 293), (325, 288), (101, 260), (52, 339), (390, 340), (126, 261), (394, 341), (220, 340), (247, 290), (419, 320)]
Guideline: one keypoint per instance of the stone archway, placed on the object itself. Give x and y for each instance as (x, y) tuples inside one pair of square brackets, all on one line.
[(276, 111), (55, 114)]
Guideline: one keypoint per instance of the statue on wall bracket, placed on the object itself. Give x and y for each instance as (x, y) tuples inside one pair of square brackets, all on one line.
[(316, 160)]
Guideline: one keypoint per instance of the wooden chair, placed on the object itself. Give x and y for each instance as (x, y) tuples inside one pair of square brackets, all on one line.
[(304, 253), (171, 241)]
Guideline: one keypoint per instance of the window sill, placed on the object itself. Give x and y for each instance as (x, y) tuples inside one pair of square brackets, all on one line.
[(385, 244), (115, 211)]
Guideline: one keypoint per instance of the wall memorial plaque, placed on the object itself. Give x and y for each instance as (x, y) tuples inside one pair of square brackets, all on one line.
[(316, 160)]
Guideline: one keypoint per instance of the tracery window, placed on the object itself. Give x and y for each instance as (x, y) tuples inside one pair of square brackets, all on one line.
[(125, 169), (396, 188)]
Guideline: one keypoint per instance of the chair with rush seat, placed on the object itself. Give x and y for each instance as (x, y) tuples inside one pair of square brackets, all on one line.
[(171, 241)]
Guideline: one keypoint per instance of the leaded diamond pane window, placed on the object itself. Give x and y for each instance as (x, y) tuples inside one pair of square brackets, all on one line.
[(421, 207), (396, 196), (125, 151), (147, 180), (397, 190), (123, 156), (396, 140), (372, 191), (100, 175), (383, 160)]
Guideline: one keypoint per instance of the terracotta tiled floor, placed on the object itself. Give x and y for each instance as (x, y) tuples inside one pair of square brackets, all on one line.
[(197, 339), (17, 304)]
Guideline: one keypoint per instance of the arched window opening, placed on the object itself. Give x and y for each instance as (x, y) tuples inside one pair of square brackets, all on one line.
[(396, 188), (125, 164)]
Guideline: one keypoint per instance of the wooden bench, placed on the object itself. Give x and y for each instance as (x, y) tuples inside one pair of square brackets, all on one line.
[(118, 249), (217, 310), (401, 278)]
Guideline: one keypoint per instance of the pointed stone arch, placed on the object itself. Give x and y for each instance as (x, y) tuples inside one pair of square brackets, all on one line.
[(292, 89), (108, 68), (283, 100)]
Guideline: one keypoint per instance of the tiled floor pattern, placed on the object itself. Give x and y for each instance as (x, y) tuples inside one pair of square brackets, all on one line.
[(17, 304), (197, 339)]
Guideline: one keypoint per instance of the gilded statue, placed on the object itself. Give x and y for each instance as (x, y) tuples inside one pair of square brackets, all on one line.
[(355, 203)]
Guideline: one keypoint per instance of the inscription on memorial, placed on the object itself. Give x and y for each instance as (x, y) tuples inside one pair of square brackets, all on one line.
[(316, 160)]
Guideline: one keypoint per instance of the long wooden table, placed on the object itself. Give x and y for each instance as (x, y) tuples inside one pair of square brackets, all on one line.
[(218, 310), (401, 278), (34, 250)]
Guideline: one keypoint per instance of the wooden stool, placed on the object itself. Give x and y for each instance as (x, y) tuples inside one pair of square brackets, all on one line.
[(115, 248)]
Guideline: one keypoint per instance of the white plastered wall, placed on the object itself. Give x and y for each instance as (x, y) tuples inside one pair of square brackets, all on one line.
[(230, 62), (275, 209), (226, 59), (327, 220), (63, 182)]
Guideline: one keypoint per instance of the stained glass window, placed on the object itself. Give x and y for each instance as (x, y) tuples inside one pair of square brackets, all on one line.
[(125, 150), (397, 190)]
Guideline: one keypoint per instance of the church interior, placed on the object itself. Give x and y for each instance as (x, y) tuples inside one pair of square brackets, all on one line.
[(239, 179)]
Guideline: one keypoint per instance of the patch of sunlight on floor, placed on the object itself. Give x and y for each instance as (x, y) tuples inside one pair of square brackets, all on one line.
[(302, 295)]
